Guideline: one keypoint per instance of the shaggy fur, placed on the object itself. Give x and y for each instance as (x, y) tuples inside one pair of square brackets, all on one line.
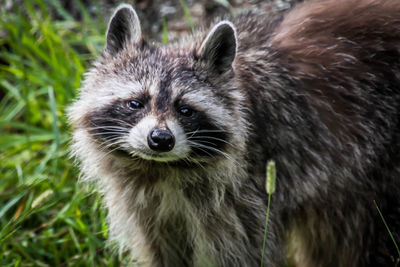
[(317, 90)]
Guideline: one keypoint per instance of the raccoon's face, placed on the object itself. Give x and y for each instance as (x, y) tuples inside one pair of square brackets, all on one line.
[(159, 104)]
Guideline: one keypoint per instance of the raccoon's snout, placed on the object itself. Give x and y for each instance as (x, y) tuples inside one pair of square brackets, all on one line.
[(161, 140)]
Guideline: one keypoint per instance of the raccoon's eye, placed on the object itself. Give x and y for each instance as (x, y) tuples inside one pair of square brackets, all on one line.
[(134, 104), (184, 111)]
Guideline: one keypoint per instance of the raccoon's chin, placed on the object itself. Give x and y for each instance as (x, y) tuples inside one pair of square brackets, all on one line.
[(186, 162), (146, 156), (157, 157)]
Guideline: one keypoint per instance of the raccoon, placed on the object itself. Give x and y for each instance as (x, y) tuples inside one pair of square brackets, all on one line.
[(176, 137)]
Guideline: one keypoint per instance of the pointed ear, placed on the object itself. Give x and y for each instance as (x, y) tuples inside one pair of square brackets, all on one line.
[(218, 50), (123, 29)]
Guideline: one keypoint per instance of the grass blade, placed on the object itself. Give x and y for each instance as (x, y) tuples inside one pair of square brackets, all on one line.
[(188, 16), (388, 229)]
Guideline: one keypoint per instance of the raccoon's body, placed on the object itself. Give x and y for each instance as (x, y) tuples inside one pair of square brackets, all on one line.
[(177, 138)]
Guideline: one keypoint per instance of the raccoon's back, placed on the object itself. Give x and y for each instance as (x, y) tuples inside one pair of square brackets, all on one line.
[(342, 58)]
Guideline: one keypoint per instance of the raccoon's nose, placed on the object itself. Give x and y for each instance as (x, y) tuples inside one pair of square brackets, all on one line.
[(161, 140)]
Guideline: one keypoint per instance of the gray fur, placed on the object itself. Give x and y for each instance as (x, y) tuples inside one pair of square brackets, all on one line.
[(317, 90)]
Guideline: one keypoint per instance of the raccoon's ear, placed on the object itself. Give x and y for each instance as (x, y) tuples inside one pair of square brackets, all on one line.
[(123, 29), (218, 49)]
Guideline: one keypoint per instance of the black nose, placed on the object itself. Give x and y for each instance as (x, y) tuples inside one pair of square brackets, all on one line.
[(161, 140)]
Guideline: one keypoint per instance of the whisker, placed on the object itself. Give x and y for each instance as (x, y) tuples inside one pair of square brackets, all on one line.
[(199, 145), (121, 122), (204, 142), (206, 131), (201, 149), (111, 139), (106, 144), (209, 137), (114, 143), (113, 146), (108, 153), (117, 144), (109, 133), (117, 128), (192, 133)]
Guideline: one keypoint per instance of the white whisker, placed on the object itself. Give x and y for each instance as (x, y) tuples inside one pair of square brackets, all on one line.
[(200, 137), (205, 131), (199, 146)]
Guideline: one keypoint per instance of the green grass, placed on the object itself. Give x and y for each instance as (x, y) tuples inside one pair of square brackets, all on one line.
[(188, 15), (46, 217)]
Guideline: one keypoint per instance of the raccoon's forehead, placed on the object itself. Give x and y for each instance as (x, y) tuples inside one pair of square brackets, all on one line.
[(148, 61), (153, 75)]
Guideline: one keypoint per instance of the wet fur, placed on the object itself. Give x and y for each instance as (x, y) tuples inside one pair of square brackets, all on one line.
[(317, 90)]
